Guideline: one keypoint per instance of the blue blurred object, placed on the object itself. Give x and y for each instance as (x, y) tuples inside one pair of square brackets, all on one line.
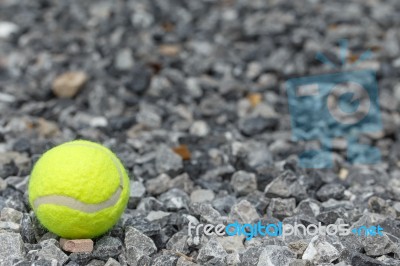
[(339, 105)]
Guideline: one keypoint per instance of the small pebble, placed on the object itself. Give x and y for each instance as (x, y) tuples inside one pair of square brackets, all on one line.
[(202, 195), (112, 262), (69, 84), (7, 29), (76, 245)]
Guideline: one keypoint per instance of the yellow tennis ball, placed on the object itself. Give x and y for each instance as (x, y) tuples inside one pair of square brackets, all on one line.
[(78, 189)]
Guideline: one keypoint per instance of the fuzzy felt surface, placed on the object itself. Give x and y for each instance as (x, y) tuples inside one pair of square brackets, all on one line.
[(86, 172), (72, 224)]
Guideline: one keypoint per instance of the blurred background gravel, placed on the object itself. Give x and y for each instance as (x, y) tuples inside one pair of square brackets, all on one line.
[(191, 96)]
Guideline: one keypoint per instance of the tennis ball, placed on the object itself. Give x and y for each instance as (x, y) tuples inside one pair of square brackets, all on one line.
[(78, 189)]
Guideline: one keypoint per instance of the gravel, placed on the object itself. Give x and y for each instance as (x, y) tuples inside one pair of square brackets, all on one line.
[(213, 250), (191, 95), (166, 160), (11, 247), (320, 251), (138, 246), (202, 195), (244, 183), (244, 212), (275, 256), (107, 247)]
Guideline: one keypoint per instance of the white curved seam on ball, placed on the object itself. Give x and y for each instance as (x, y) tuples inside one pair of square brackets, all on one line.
[(81, 206)]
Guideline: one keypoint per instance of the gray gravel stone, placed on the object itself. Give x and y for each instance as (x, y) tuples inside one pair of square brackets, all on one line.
[(159, 216), (183, 262), (112, 262), (141, 78), (28, 231), (377, 245), (143, 225), (51, 251), (147, 116), (243, 212), (175, 199), (199, 128), (256, 155), (298, 247), (281, 208), (3, 184), (202, 195), (158, 185), (378, 205), (212, 250), (138, 246), (95, 263), (330, 217), (330, 191), (137, 191), (107, 247), (150, 203), (363, 260), (390, 226), (252, 126), (232, 244), (72, 263), (308, 207), (167, 160), (206, 212), (299, 262), (124, 60), (319, 250), (182, 182), (251, 256), (167, 260), (244, 183), (286, 185), (81, 258), (7, 29), (178, 242), (223, 205), (11, 215), (276, 256), (11, 246), (10, 226)]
